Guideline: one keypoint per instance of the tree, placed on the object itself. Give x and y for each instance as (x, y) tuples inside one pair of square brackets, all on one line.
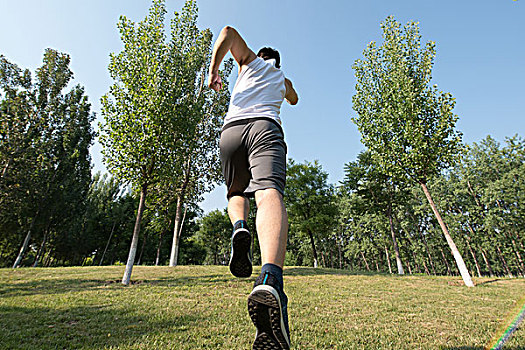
[(214, 235), (204, 109), (311, 206), (46, 134), (407, 125), (151, 110), (365, 179)]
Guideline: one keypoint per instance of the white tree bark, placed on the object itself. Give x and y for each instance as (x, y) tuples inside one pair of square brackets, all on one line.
[(455, 252), (400, 270), (135, 240), (176, 234)]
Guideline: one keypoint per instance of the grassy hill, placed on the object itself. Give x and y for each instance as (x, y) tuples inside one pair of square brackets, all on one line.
[(204, 307)]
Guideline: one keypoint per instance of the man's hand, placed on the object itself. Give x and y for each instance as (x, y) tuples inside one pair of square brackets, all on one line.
[(214, 81)]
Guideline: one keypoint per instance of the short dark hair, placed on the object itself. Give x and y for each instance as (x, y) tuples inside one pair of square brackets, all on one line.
[(267, 53)]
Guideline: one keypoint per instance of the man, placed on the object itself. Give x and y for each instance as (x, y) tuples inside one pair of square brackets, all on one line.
[(253, 157)]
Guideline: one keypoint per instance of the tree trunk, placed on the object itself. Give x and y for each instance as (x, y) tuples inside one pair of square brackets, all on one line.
[(332, 255), (415, 262), (177, 230), (431, 262), (518, 255), (28, 236), (4, 172), (178, 226), (426, 268), (314, 251), (449, 272), (484, 255), (364, 259), (157, 259), (23, 249), (455, 252), (107, 244), (471, 229), (388, 259), (407, 235), (473, 194), (478, 270), (135, 240), (340, 243), (394, 240), (503, 261), (47, 259), (41, 249), (142, 248)]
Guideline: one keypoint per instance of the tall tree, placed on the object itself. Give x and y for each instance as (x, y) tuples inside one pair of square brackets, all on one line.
[(407, 124), (365, 179), (310, 204), (214, 235), (204, 109), (151, 109), (46, 135)]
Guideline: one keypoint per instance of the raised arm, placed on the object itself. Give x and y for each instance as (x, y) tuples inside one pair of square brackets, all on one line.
[(290, 96), (229, 40)]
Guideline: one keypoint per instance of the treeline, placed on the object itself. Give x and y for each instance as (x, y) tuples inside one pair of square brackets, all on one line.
[(45, 134), (371, 223), (53, 212), (416, 201), (57, 214), (481, 201)]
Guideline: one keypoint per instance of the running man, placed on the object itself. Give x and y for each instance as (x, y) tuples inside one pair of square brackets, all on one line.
[(253, 157)]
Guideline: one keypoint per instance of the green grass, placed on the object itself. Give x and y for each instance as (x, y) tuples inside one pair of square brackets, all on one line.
[(204, 307)]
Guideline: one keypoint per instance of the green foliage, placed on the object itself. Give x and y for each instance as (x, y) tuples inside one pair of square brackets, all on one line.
[(214, 236), (311, 210), (162, 122), (45, 135), (480, 198), (159, 106), (407, 125)]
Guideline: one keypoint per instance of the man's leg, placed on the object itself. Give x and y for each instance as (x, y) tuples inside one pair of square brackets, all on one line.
[(241, 256), (267, 303), (272, 226), (238, 208)]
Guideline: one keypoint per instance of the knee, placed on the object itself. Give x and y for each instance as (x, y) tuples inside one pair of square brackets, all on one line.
[(267, 195)]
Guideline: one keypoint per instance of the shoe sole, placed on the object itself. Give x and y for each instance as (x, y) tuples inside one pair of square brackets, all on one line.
[(264, 307), (240, 263)]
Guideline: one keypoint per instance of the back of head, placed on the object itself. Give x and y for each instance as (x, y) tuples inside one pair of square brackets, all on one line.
[(267, 53)]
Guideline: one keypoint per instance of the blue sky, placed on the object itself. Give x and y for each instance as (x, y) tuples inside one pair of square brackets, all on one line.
[(480, 58)]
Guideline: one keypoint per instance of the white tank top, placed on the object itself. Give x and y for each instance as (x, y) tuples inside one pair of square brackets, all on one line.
[(258, 92)]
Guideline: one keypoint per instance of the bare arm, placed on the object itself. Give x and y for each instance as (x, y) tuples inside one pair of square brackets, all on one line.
[(229, 40), (290, 96)]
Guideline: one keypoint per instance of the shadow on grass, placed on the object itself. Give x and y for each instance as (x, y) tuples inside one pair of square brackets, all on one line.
[(310, 271), (487, 282), (481, 348), (84, 327), (59, 286), (48, 286)]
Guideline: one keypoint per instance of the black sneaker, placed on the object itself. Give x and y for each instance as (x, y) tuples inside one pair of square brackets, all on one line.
[(241, 254), (267, 306)]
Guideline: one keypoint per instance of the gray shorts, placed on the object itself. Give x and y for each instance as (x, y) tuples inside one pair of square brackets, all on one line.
[(253, 156)]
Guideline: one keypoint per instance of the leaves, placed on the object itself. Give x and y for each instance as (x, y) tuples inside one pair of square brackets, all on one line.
[(407, 125), (45, 136)]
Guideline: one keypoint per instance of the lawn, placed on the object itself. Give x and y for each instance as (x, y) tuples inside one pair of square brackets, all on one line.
[(204, 307)]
